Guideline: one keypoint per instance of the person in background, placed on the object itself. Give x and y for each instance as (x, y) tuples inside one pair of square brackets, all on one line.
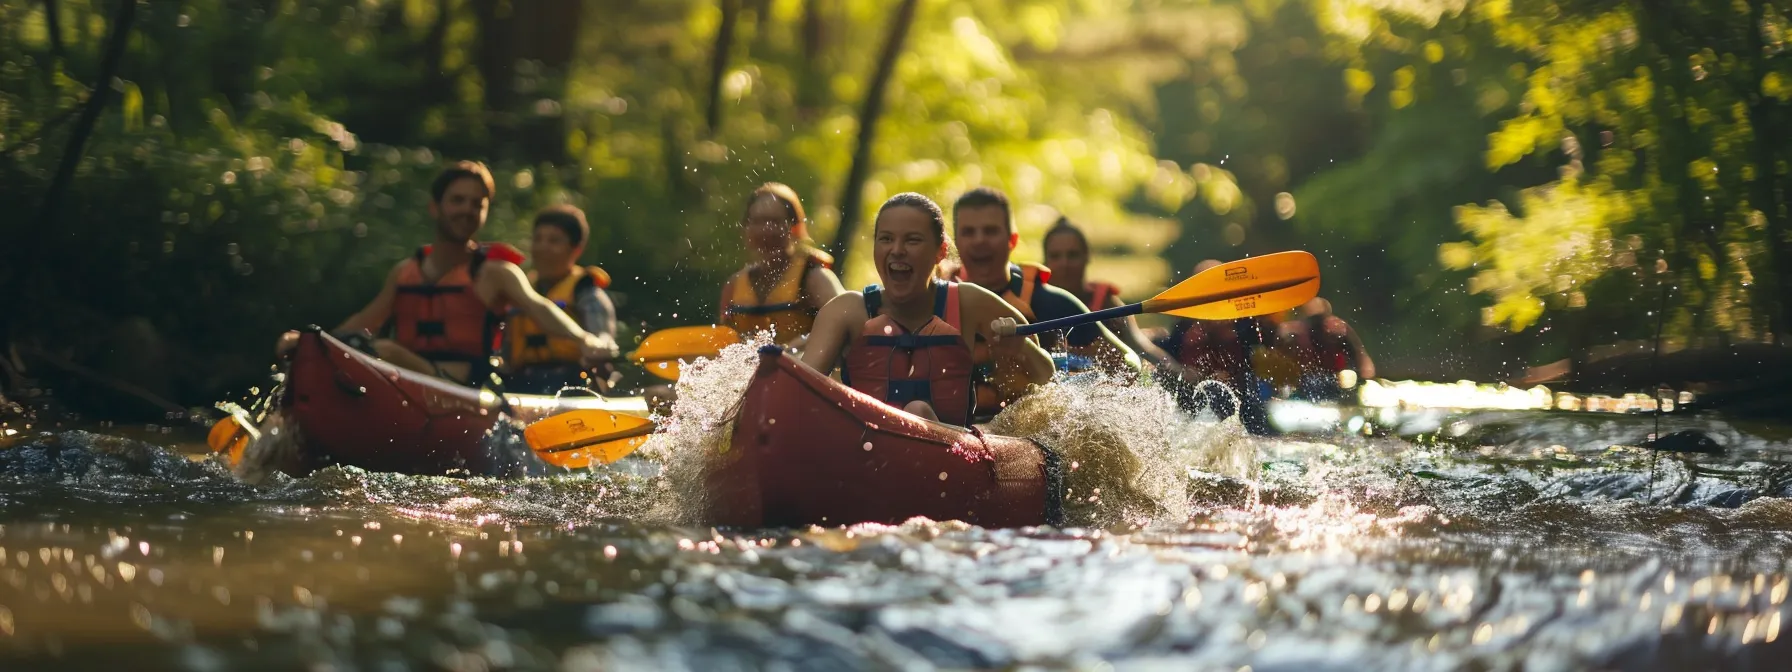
[(1331, 355), (445, 303), (539, 363), (788, 281), (983, 229), (1220, 350), (908, 341), (1067, 255)]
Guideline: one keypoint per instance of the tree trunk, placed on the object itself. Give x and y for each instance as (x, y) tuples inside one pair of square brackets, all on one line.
[(811, 91), (547, 35), (28, 240), (433, 53), (53, 23), (234, 77), (97, 101), (1764, 191), (1672, 88), (869, 114), (762, 27), (718, 64), (496, 61)]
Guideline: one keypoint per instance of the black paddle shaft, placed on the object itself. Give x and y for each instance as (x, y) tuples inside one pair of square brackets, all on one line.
[(1102, 315), (1157, 306)]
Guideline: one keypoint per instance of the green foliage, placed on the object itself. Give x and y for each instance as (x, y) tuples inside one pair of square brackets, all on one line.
[(1653, 103), (1561, 241), (265, 162)]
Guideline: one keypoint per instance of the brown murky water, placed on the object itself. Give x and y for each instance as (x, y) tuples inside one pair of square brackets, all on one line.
[(1492, 540)]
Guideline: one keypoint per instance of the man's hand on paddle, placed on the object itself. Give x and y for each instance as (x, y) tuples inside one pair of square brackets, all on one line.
[(371, 317), (287, 342), (986, 310), (598, 349), (507, 281)]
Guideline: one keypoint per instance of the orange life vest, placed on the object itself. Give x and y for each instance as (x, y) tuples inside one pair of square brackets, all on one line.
[(992, 388), (785, 310), (445, 321), (1022, 280), (889, 362), (529, 344)]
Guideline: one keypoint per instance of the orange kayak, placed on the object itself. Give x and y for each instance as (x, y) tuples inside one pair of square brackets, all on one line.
[(807, 450), (353, 409)]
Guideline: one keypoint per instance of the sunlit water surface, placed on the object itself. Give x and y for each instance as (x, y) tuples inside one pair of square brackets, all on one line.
[(1490, 540)]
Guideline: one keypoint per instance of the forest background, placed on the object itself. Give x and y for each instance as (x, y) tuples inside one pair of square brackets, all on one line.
[(1488, 184)]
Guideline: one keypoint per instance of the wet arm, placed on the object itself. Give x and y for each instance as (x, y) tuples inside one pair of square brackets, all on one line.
[(376, 313), (985, 308), (596, 314), (827, 340), (1365, 367), (1142, 344), (514, 287), (1134, 337), (822, 286), (1113, 355), (1109, 352)]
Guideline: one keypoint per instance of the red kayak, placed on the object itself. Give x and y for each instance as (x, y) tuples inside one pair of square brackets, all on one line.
[(808, 450), (353, 409)]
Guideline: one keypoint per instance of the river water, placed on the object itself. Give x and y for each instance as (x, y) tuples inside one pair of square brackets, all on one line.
[(1478, 540)]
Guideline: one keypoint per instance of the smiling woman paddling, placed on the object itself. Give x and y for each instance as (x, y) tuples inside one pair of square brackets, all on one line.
[(788, 281), (908, 341)]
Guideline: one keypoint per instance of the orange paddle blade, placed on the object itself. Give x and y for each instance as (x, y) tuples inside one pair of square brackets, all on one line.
[(575, 439), (231, 435), (662, 350), (1256, 286)]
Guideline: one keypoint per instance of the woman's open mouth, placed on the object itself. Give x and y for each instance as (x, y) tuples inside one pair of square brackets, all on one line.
[(898, 272)]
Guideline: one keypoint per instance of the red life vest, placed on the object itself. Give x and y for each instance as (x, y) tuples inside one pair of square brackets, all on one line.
[(1321, 351), (889, 362), (1099, 293), (445, 321), (1212, 347)]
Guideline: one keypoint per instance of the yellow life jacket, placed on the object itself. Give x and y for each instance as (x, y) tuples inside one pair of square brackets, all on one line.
[(784, 309), (529, 343)]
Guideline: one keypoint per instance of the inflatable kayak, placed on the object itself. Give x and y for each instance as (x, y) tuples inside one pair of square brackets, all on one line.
[(807, 450), (353, 409)]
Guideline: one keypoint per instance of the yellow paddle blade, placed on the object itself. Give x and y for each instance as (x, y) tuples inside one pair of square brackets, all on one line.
[(575, 438), (660, 352), (1256, 286)]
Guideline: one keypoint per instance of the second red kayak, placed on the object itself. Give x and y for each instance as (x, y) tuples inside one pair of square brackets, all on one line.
[(354, 409)]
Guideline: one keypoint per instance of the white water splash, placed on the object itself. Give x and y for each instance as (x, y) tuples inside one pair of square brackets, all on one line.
[(1126, 448), (702, 422)]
